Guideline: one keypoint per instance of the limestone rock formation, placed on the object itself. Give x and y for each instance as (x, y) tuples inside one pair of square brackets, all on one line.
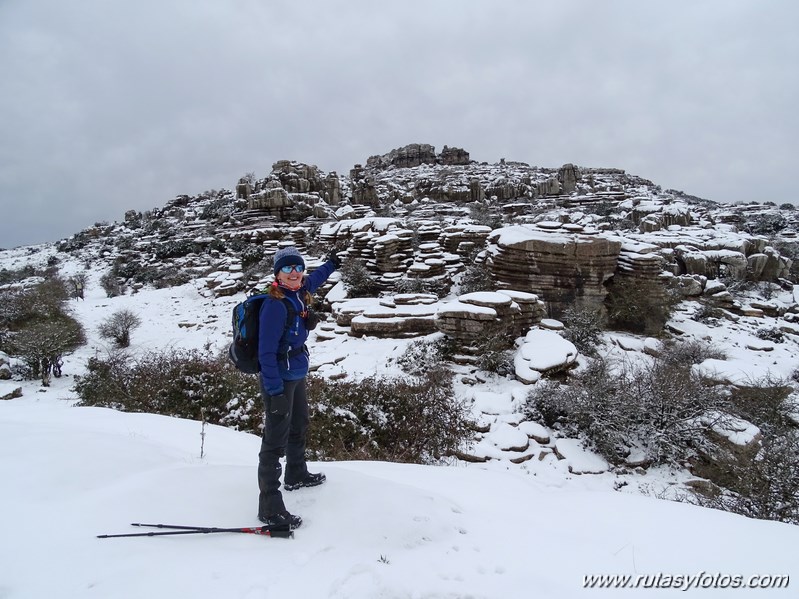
[(405, 157), (568, 176), (476, 317), (398, 316), (290, 184), (454, 156), (562, 268)]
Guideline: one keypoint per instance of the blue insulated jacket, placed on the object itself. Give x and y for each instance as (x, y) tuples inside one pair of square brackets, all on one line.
[(273, 345)]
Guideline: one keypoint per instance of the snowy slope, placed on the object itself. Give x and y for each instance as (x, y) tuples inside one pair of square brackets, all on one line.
[(374, 530)]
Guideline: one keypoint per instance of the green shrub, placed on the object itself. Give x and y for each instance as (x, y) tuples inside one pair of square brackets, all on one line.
[(357, 280), (476, 277), (584, 327), (638, 305), (41, 343), (422, 356), (110, 285), (177, 382), (415, 420), (40, 329), (766, 224)]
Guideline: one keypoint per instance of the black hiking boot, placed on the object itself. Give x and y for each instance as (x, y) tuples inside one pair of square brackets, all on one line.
[(281, 520), (309, 480)]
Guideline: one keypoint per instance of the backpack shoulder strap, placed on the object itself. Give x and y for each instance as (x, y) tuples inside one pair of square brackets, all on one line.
[(291, 312)]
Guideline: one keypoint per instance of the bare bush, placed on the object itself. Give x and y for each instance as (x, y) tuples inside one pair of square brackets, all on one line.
[(760, 480), (662, 409), (118, 327)]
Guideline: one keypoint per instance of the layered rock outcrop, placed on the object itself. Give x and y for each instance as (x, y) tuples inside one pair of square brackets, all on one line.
[(414, 155), (477, 318), (291, 184), (563, 268)]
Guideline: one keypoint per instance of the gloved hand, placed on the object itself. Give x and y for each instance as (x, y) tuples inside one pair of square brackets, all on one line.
[(333, 257), (278, 404)]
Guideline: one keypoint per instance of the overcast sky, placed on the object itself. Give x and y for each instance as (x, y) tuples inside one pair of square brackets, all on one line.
[(113, 105)]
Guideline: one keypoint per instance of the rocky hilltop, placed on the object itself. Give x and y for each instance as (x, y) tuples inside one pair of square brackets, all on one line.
[(413, 215)]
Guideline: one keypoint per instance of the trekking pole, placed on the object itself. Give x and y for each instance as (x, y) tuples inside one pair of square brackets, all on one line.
[(278, 533)]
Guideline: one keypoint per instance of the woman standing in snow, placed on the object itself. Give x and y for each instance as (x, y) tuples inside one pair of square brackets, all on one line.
[(283, 357)]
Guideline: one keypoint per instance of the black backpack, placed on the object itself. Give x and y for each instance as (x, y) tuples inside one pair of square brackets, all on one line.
[(243, 351)]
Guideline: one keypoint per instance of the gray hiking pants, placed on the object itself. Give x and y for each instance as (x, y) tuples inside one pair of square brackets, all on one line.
[(283, 436)]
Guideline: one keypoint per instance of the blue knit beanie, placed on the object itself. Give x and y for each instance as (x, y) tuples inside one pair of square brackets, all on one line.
[(287, 256)]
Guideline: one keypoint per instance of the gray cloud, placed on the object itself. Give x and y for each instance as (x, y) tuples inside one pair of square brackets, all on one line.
[(109, 106)]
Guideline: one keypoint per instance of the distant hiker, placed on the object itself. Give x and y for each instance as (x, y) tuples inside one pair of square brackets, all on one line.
[(285, 319)]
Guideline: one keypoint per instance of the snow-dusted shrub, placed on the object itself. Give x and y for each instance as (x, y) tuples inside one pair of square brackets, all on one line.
[(424, 355), (357, 280), (499, 362), (759, 480), (159, 275), (179, 382), (118, 327), (415, 420), (38, 328), (170, 276), (176, 248), (483, 213), (772, 334), (407, 285), (110, 285), (41, 343), (767, 402), (476, 277), (638, 305), (766, 224), (584, 328), (691, 351), (709, 315), (251, 255), (660, 409)]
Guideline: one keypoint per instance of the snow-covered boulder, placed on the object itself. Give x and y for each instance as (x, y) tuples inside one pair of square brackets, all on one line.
[(541, 352), (580, 460), (10, 391)]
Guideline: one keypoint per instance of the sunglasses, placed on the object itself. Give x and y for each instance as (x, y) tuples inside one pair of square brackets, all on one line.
[(294, 267)]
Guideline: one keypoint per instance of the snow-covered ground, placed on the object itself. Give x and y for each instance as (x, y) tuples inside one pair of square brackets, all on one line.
[(374, 530), (497, 529)]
